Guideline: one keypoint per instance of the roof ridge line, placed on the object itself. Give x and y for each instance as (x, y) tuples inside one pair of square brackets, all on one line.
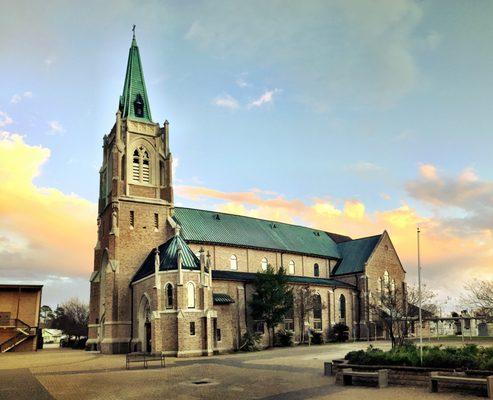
[(361, 238), (263, 219)]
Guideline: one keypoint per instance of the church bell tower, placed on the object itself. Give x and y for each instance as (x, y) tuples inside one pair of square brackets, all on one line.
[(135, 201)]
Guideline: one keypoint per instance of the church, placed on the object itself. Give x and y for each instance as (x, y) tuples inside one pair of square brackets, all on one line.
[(177, 280)]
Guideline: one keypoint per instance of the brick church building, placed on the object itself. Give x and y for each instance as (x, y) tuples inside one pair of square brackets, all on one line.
[(178, 280)]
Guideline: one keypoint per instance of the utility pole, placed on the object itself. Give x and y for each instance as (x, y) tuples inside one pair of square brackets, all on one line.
[(419, 303)]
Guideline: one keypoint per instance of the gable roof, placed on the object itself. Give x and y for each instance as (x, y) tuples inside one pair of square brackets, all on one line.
[(251, 276), (134, 87), (355, 253), (201, 226), (168, 253)]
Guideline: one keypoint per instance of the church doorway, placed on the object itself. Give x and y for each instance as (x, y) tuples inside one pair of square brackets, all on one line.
[(148, 336), (144, 323)]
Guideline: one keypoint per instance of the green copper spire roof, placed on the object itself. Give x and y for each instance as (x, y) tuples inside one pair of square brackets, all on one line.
[(134, 103)]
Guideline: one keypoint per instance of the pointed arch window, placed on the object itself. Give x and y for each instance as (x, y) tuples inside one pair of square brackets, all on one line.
[(139, 106), (291, 267), (264, 264), (316, 270), (190, 295), (233, 262), (141, 165), (169, 295), (317, 312), (342, 307)]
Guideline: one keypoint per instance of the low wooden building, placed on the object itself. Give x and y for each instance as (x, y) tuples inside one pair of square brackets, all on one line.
[(19, 317)]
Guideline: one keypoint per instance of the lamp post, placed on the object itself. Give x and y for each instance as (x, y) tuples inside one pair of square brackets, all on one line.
[(419, 303)]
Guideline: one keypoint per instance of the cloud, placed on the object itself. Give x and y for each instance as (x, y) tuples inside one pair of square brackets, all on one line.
[(444, 250), (467, 200), (363, 167), (226, 101), (378, 69), (265, 98), (55, 127), (242, 83), (42, 230), (5, 119), (17, 98)]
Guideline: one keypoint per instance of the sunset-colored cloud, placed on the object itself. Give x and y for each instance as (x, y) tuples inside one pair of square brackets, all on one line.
[(449, 256), (42, 230)]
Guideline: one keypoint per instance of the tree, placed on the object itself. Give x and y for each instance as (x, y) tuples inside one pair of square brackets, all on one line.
[(72, 318), (304, 303), (46, 316), (388, 305), (272, 299), (479, 296), (429, 300)]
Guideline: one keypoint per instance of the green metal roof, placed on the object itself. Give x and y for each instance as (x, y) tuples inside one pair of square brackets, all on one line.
[(251, 276), (355, 254), (134, 87), (168, 256), (201, 226), (222, 298)]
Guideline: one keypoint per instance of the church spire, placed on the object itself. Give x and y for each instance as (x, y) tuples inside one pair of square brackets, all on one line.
[(134, 103)]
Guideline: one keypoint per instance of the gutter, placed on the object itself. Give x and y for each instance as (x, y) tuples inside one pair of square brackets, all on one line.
[(131, 318)]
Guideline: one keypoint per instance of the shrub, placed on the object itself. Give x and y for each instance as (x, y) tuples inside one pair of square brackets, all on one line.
[(467, 357), (250, 341), (339, 333), (317, 337), (285, 338)]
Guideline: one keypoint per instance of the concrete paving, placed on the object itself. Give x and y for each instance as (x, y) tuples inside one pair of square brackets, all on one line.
[(288, 373)]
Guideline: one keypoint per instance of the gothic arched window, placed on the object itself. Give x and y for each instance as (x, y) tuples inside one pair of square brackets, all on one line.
[(264, 264), (316, 270), (139, 106), (342, 307), (317, 312), (291, 268), (141, 165), (169, 295), (233, 262)]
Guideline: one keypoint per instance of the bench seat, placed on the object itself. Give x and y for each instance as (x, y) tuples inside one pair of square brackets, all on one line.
[(435, 377), (381, 375), (144, 358)]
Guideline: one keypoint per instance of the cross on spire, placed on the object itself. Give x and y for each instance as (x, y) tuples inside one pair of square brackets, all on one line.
[(133, 30)]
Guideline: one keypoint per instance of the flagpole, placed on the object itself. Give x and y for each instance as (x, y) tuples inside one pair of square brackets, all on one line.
[(419, 302)]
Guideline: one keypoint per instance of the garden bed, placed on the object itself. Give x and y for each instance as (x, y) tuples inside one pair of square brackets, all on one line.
[(463, 361)]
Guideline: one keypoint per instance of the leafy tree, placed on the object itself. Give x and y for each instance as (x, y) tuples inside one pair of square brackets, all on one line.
[(272, 298), (46, 316), (72, 318)]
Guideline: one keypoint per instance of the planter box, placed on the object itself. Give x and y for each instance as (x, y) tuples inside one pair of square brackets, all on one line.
[(411, 376)]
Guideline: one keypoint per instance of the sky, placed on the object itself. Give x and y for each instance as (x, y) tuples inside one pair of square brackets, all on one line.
[(350, 116)]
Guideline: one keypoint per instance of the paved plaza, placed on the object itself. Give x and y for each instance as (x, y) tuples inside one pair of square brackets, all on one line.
[(289, 373)]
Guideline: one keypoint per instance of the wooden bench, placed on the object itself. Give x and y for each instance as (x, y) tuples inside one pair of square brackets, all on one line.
[(144, 358), (435, 377), (381, 375)]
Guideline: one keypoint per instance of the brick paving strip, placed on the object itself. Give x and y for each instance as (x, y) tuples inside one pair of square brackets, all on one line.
[(21, 384)]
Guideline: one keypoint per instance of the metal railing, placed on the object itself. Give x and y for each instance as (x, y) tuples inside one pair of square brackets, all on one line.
[(23, 331)]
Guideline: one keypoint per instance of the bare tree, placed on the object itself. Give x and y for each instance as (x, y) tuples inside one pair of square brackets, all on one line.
[(305, 301), (72, 318), (429, 301), (479, 296), (389, 306)]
